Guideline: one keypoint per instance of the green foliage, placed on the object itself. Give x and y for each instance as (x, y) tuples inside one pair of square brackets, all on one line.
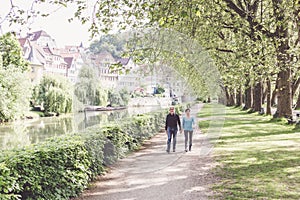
[(160, 90), (118, 98), (14, 94), (62, 167), (88, 90), (14, 85), (11, 53), (179, 108), (113, 44), (125, 96), (54, 93)]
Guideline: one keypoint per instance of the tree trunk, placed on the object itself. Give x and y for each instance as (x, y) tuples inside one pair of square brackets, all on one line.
[(269, 111), (222, 96), (248, 98), (274, 94), (284, 97), (298, 102), (229, 97), (295, 86), (257, 97), (284, 94), (208, 100), (239, 97), (264, 93), (232, 97)]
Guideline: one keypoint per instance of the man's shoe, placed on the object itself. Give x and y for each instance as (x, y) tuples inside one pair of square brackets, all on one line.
[(190, 148), (173, 150), (167, 151), (186, 150)]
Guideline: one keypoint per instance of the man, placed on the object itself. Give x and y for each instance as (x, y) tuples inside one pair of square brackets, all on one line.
[(172, 120)]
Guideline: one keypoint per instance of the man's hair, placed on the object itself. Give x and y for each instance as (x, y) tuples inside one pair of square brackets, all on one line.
[(187, 110)]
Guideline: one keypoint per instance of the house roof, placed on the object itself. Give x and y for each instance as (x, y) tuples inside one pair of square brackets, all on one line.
[(69, 61), (123, 61), (22, 41), (36, 57), (51, 51), (38, 34), (47, 50)]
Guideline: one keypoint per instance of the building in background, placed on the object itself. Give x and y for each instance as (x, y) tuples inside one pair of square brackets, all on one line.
[(42, 39), (36, 60), (73, 56), (55, 63), (45, 58), (129, 76), (103, 62), (114, 73)]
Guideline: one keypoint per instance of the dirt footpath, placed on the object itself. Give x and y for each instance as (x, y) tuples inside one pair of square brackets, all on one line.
[(153, 174)]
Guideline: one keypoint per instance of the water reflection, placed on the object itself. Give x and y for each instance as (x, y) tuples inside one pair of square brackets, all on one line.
[(19, 134)]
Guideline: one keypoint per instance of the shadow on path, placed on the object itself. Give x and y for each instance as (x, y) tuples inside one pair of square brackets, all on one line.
[(152, 174)]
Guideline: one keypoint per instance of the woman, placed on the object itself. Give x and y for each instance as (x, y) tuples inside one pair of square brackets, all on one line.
[(188, 123)]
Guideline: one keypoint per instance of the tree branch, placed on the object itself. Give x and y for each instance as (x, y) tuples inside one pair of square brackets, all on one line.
[(225, 50), (257, 26)]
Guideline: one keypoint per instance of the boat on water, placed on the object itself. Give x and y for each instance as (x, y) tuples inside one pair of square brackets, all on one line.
[(101, 108)]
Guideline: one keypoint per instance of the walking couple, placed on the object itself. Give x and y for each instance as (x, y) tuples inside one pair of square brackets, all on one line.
[(172, 122)]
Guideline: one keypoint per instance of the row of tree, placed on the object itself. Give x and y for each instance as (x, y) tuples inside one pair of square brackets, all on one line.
[(254, 44)]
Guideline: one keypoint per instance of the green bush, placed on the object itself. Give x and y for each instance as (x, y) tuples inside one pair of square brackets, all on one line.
[(62, 167)]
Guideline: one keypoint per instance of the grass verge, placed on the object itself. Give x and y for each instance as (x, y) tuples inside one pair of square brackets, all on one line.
[(257, 157)]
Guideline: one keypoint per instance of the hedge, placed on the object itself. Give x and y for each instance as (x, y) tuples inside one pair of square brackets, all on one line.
[(62, 167)]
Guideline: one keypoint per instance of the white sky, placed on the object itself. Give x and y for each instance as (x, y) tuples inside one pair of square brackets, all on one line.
[(56, 25)]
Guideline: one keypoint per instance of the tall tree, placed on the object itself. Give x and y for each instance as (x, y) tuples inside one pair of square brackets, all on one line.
[(15, 87), (88, 89), (12, 53), (55, 94)]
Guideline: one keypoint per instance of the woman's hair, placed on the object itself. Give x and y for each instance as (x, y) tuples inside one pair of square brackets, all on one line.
[(187, 110)]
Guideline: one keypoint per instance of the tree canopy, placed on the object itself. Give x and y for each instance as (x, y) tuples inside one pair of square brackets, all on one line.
[(14, 86), (54, 94), (112, 43), (88, 89), (253, 43)]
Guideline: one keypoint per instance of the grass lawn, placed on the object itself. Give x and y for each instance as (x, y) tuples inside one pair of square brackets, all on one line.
[(257, 157)]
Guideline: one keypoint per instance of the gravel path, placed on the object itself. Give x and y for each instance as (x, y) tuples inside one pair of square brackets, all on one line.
[(152, 174)]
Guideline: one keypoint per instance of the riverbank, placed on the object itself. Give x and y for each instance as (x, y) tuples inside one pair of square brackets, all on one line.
[(257, 157), (71, 161), (29, 131)]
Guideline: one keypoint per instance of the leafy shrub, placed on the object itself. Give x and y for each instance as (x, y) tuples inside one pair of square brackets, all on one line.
[(62, 167)]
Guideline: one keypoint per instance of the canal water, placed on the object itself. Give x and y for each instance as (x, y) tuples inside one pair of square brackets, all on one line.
[(21, 133)]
